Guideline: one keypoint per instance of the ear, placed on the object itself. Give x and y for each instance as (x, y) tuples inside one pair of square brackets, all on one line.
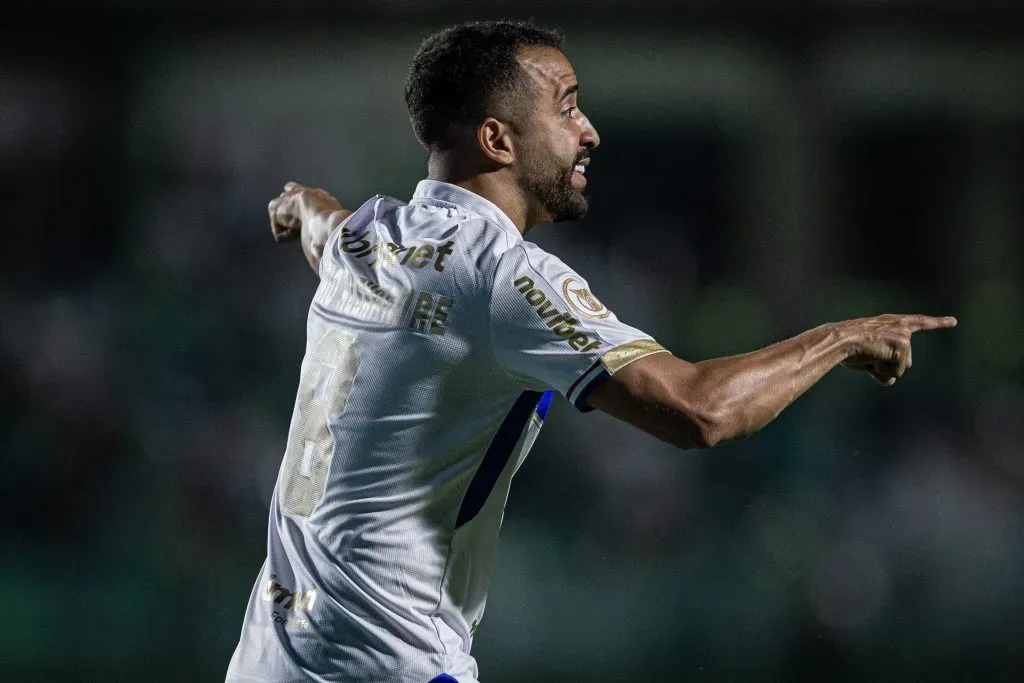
[(495, 140)]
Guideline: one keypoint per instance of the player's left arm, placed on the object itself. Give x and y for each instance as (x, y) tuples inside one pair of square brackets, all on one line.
[(308, 214)]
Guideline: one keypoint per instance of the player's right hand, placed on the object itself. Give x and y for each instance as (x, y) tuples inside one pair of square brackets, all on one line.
[(308, 214), (296, 205), (881, 345)]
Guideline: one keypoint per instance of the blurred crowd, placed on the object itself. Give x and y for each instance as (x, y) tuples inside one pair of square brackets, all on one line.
[(747, 187)]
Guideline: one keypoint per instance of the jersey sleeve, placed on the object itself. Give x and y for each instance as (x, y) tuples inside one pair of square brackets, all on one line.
[(549, 331)]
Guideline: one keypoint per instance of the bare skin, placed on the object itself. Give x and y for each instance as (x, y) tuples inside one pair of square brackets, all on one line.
[(691, 405), (550, 124), (308, 214), (699, 405)]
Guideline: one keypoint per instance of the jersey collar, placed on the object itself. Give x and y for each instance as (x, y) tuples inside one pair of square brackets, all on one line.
[(437, 191)]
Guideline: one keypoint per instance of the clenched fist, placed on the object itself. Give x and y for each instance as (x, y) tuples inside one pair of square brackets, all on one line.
[(306, 213)]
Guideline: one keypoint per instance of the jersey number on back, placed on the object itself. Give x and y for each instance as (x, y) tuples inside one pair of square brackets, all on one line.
[(327, 372)]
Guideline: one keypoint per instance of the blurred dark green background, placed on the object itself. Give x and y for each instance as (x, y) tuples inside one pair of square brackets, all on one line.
[(764, 168)]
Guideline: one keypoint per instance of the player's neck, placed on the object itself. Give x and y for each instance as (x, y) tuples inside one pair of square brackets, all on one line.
[(502, 196), (496, 187)]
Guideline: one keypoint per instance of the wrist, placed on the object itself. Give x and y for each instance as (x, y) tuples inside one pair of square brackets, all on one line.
[(845, 339)]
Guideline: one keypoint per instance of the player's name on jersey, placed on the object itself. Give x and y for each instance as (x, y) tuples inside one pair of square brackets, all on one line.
[(560, 322), (430, 314), (387, 254), (345, 293)]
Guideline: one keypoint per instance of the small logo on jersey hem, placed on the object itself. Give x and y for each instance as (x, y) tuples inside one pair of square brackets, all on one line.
[(582, 301), (286, 598)]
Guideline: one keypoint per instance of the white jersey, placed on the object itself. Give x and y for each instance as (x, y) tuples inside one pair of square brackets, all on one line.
[(435, 339)]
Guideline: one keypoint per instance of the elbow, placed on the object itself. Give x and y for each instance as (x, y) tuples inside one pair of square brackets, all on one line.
[(674, 401), (708, 434), (683, 413), (718, 427), (700, 423), (696, 430)]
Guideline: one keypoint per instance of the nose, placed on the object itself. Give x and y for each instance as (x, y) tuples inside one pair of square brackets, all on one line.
[(589, 137)]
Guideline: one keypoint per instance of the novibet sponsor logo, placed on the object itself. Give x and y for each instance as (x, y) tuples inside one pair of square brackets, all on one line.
[(561, 323)]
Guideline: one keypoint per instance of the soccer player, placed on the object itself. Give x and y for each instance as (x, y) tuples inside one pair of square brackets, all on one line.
[(435, 341)]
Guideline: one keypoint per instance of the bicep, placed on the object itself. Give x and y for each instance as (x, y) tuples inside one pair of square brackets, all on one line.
[(655, 394)]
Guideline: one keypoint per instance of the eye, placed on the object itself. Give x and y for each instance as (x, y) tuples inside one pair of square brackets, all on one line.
[(570, 112)]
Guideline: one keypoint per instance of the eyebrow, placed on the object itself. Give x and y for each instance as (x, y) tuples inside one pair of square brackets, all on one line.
[(568, 91)]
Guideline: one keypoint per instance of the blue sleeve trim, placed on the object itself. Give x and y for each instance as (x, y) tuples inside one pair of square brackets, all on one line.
[(443, 678), (581, 397)]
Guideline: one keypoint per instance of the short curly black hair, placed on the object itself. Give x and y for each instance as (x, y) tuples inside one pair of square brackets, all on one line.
[(467, 72)]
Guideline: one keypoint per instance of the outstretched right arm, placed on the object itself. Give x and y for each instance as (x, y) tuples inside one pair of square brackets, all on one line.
[(698, 405)]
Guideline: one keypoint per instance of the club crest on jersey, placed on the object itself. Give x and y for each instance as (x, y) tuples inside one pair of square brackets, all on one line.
[(582, 301)]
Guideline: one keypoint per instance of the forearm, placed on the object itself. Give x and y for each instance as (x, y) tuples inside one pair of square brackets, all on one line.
[(317, 227), (741, 394), (309, 214), (698, 405)]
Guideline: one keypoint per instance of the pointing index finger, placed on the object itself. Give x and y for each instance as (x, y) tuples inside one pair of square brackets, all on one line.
[(920, 323)]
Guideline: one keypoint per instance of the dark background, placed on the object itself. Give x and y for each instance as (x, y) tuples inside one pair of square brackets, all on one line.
[(764, 168)]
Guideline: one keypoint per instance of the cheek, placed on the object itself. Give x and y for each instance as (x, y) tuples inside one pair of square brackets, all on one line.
[(551, 147)]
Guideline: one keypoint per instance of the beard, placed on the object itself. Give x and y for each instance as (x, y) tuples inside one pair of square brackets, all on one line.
[(551, 185)]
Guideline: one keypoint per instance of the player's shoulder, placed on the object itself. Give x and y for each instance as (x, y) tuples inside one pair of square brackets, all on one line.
[(375, 207), (442, 220), (526, 259), (385, 233), (400, 222), (365, 216), (538, 275), (478, 241)]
